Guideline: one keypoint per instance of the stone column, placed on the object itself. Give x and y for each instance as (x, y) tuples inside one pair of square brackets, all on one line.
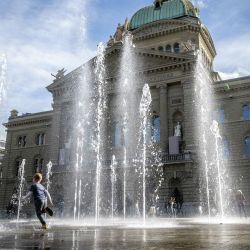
[(189, 114), (164, 116)]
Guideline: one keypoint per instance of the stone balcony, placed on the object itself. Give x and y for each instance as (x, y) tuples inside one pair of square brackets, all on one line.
[(180, 158), (162, 159)]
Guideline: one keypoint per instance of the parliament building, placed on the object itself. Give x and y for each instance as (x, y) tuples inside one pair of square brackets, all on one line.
[(165, 35)]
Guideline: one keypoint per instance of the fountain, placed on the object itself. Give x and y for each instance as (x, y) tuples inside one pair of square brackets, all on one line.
[(126, 103), (113, 184), (20, 188), (208, 140), (100, 80), (48, 175), (216, 132), (81, 130), (144, 113)]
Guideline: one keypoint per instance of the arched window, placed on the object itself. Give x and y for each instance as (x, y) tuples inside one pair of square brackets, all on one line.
[(18, 163), (219, 115), (160, 48), (247, 143), (117, 135), (226, 151), (21, 141), (245, 111), (157, 129), (168, 48), (40, 139), (149, 132), (38, 164), (176, 47), (125, 138)]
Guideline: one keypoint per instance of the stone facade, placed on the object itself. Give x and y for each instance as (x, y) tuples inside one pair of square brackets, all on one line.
[(170, 75), (22, 142), (2, 152)]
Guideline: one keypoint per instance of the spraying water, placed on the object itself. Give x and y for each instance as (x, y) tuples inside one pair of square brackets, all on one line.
[(75, 206), (144, 113), (126, 103), (113, 183), (3, 70), (79, 199), (209, 147), (82, 130), (204, 108), (216, 132), (100, 79), (20, 188), (77, 179), (48, 175)]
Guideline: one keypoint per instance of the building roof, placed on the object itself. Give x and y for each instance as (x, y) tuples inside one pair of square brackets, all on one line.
[(169, 9), (29, 118)]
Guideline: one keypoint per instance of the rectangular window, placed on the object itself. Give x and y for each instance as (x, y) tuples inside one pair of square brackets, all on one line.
[(245, 112), (157, 130), (176, 101), (21, 141), (117, 135)]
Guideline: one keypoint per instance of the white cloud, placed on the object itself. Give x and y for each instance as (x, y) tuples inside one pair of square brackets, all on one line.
[(226, 76), (40, 37), (201, 4), (233, 56)]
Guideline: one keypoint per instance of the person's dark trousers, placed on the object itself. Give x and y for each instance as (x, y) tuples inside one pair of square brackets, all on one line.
[(241, 207), (40, 206)]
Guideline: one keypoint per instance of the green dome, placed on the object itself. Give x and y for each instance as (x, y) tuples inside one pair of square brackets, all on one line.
[(169, 9)]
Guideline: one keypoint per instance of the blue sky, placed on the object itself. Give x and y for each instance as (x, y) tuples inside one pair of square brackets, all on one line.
[(41, 36)]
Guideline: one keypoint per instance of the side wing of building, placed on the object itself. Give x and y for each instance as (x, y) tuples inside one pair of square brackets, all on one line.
[(28, 137)]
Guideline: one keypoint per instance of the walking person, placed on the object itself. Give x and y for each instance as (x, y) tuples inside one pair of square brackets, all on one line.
[(173, 206), (40, 195), (61, 207)]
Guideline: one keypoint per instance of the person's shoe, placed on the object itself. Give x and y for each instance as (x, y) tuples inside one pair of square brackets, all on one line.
[(45, 226), (49, 211)]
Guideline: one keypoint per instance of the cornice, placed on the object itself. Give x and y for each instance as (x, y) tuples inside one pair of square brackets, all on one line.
[(163, 27), (168, 68), (23, 122), (72, 76), (207, 37), (231, 85), (163, 54)]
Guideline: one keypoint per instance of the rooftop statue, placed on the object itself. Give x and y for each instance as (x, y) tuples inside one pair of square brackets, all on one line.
[(119, 34), (187, 46), (60, 74), (111, 41)]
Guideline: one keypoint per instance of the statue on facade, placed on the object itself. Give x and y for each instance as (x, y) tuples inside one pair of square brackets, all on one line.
[(119, 34), (111, 41), (60, 74), (177, 130), (187, 46)]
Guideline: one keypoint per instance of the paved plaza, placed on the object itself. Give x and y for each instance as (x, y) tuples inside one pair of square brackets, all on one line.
[(157, 234)]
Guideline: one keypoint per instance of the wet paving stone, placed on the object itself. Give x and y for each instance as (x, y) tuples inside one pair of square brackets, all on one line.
[(165, 234)]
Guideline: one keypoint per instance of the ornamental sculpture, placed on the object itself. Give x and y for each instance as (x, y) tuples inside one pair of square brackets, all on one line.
[(60, 74), (121, 30), (187, 46)]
